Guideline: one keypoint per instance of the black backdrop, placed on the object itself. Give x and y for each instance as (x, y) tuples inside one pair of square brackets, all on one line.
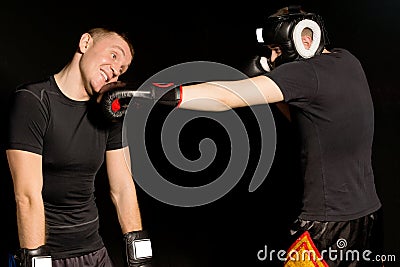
[(38, 39)]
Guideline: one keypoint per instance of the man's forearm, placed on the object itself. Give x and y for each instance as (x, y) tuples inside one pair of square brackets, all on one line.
[(31, 223), (127, 208)]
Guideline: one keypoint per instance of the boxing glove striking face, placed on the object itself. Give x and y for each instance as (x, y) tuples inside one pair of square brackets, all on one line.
[(115, 97)]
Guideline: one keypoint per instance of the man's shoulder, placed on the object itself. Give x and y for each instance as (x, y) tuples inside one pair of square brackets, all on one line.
[(343, 52), (44, 83), (38, 91), (37, 88)]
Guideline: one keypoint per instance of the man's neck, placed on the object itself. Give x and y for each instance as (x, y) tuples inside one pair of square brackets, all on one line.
[(70, 83)]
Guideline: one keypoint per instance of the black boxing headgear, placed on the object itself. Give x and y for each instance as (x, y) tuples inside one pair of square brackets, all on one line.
[(286, 30)]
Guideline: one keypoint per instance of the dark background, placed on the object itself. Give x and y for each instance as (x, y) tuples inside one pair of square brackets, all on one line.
[(37, 39)]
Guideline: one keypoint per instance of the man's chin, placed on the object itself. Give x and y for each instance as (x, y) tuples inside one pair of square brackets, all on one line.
[(96, 86)]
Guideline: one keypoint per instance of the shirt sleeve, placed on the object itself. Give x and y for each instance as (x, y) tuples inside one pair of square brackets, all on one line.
[(115, 140), (297, 81), (27, 121)]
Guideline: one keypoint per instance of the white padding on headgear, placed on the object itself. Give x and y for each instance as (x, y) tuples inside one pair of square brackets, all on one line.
[(260, 38), (264, 64), (314, 27)]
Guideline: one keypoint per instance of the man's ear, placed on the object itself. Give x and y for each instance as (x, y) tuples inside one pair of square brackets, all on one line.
[(85, 42), (307, 40)]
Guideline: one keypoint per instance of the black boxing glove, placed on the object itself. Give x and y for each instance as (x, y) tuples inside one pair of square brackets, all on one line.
[(38, 257), (256, 66), (115, 97), (138, 249)]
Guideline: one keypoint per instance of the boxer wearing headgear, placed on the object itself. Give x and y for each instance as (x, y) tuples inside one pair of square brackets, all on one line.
[(288, 33), (286, 29), (334, 116)]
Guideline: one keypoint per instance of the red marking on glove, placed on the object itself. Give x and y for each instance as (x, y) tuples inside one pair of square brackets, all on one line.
[(115, 106), (180, 96), (163, 85)]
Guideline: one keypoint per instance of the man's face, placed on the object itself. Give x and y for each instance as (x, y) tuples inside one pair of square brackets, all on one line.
[(104, 61), (275, 52)]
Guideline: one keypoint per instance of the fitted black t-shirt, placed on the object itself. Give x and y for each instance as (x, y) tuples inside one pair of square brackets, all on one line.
[(72, 139), (333, 109)]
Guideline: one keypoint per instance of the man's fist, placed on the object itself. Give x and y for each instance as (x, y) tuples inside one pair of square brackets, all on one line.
[(33, 257), (138, 249), (256, 66), (115, 97)]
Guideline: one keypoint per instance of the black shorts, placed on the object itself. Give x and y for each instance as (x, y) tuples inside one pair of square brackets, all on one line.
[(99, 258), (344, 243)]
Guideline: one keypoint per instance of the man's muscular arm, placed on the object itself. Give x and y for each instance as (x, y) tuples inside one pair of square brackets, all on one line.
[(26, 171), (123, 191), (224, 95), (123, 194)]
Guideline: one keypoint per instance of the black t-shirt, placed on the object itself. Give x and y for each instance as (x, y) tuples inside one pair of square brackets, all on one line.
[(332, 106), (72, 139)]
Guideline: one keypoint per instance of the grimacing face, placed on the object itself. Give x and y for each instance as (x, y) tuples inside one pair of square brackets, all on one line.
[(104, 60)]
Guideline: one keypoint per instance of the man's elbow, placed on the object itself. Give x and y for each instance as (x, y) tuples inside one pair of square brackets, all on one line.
[(28, 200)]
